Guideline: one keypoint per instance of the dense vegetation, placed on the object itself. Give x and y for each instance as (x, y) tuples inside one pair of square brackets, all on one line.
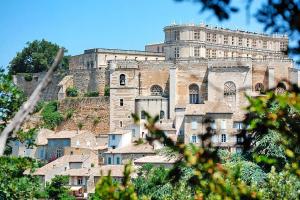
[(72, 92), (37, 56), (51, 116)]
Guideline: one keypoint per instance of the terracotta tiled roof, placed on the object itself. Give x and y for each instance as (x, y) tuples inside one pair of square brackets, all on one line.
[(207, 108), (158, 159), (62, 161), (116, 170), (142, 148)]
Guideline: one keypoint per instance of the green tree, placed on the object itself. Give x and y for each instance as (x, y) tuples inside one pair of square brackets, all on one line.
[(14, 184), (57, 188), (37, 56)]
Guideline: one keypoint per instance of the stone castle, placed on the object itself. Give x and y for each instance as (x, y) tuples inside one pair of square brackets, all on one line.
[(198, 72)]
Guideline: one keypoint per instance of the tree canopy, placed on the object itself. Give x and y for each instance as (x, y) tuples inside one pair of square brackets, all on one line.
[(36, 57)]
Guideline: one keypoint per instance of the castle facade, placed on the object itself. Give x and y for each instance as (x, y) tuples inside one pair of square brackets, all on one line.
[(198, 72)]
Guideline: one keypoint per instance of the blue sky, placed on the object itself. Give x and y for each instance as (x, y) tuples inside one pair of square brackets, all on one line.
[(83, 24)]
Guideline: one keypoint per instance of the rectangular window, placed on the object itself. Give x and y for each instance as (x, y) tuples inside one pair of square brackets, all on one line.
[(239, 139), (232, 40), (248, 42), (254, 43), (109, 160), (214, 38), (79, 180), (118, 160), (176, 52), (240, 41), (238, 125), (225, 54), (121, 124), (223, 124), (265, 44), (194, 125), (196, 35), (197, 51), (143, 115), (176, 35), (214, 53), (113, 137), (223, 138), (208, 37), (225, 39), (207, 53), (121, 102), (194, 139), (213, 125)]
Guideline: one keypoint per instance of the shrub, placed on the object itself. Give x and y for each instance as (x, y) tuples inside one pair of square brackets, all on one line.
[(96, 121), (28, 77), (72, 92), (80, 125), (39, 106), (51, 116), (69, 114), (92, 94), (106, 91)]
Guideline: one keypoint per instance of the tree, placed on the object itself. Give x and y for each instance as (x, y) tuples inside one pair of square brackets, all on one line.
[(57, 189), (11, 98), (36, 57), (14, 184), (72, 92)]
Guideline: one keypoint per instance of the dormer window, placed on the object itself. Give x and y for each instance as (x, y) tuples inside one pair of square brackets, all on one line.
[(122, 79)]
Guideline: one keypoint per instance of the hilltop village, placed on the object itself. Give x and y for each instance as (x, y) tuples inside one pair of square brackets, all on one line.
[(198, 72)]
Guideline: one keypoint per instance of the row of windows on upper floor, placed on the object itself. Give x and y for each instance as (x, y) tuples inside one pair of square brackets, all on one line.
[(215, 139), (223, 126), (212, 53), (235, 41), (229, 91)]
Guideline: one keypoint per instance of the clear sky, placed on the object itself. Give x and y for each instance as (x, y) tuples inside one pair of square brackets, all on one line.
[(83, 24)]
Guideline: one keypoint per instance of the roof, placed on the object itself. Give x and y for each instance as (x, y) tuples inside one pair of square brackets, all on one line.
[(150, 97), (142, 148), (65, 134), (77, 172), (208, 108), (42, 136), (122, 51), (116, 170), (62, 161), (120, 132), (45, 134), (156, 159)]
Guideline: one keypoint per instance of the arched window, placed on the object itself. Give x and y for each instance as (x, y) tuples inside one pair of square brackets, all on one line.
[(194, 94), (259, 87), (122, 79), (281, 88), (156, 90), (229, 91)]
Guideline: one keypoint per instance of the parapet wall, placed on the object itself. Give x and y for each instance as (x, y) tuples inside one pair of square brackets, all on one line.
[(50, 93), (91, 112), (90, 80)]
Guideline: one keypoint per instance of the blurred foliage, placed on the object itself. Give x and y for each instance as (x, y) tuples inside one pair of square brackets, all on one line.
[(51, 116), (57, 189), (36, 57), (11, 98), (107, 91), (38, 107), (28, 77), (14, 184), (109, 189), (72, 92)]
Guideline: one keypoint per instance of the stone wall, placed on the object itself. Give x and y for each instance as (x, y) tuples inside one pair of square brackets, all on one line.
[(89, 80), (50, 93), (92, 112)]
